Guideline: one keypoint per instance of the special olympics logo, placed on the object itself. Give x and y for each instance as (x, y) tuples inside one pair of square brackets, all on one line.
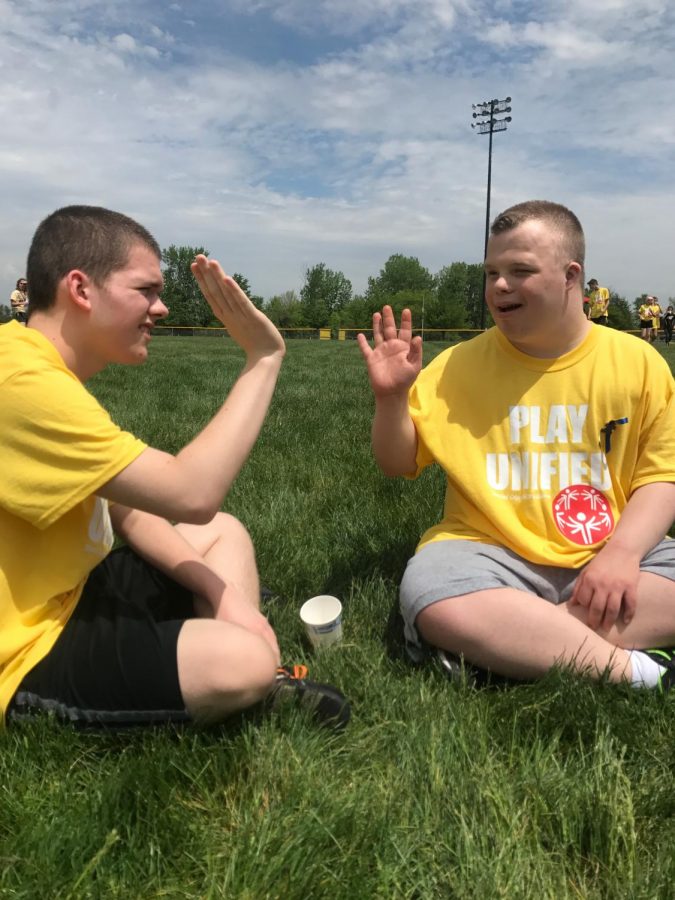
[(583, 514)]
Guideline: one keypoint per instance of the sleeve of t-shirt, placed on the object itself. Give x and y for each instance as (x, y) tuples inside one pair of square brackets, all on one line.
[(58, 446), (422, 400), (656, 459)]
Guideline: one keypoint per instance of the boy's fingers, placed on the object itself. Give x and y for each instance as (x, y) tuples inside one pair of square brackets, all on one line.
[(415, 354), (377, 329), (629, 606), (612, 610), (405, 333), (388, 324), (364, 346), (219, 289)]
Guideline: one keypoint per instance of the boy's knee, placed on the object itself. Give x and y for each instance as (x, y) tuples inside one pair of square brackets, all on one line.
[(231, 529), (252, 671), (447, 616), (261, 673), (221, 671)]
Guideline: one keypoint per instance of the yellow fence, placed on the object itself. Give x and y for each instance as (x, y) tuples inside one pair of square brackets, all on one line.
[(326, 334), (321, 334), (212, 330)]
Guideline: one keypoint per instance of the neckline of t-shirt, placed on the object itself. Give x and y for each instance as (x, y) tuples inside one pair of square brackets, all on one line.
[(38, 339), (556, 364)]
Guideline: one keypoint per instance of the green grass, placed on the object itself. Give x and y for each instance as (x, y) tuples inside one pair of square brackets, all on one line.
[(550, 790)]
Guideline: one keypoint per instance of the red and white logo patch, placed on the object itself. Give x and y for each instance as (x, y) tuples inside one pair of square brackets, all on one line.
[(583, 514)]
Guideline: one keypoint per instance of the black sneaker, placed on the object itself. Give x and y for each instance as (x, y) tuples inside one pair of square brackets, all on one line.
[(267, 595), (328, 705), (456, 668), (665, 657)]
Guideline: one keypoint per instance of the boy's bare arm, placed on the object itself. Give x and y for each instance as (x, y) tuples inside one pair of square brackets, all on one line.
[(393, 435), (191, 486), (163, 546), (156, 541)]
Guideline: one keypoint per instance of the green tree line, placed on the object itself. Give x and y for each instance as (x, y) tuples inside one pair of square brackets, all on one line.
[(449, 299)]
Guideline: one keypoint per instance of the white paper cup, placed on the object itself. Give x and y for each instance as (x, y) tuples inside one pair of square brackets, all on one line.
[(322, 618)]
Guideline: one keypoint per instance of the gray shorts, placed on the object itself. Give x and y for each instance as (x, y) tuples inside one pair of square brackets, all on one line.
[(447, 569)]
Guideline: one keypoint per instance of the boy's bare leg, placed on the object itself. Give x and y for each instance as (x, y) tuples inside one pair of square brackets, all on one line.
[(226, 546), (520, 635), (226, 665), (222, 668)]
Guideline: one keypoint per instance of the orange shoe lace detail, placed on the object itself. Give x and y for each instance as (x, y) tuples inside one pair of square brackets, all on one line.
[(298, 671)]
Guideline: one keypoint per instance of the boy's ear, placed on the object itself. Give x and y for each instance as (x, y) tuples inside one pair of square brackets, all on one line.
[(78, 288), (572, 274)]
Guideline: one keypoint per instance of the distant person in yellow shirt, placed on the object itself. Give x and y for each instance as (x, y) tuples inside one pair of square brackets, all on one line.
[(598, 303), (646, 323), (656, 318), (19, 301), (557, 441)]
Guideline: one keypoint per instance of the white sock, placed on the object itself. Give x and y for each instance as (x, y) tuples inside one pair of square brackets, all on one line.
[(646, 671)]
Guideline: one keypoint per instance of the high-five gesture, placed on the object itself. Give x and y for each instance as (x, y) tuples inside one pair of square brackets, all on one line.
[(393, 365), (396, 360), (249, 327)]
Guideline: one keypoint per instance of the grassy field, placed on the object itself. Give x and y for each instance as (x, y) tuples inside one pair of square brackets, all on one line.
[(553, 790)]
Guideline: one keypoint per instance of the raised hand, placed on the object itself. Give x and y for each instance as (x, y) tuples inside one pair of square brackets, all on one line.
[(396, 359), (249, 327)]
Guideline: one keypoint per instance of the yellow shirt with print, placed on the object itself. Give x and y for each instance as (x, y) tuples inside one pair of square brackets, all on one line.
[(18, 300), (58, 447), (599, 302), (512, 431), (655, 313)]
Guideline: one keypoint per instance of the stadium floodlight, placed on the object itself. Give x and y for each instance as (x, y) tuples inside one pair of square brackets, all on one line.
[(486, 112)]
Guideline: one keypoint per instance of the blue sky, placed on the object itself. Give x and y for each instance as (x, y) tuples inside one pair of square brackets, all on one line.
[(283, 133)]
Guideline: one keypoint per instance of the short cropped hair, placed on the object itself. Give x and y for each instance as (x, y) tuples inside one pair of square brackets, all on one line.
[(554, 214), (90, 238)]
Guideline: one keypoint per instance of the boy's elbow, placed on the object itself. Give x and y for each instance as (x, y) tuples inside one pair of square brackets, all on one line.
[(199, 516), (196, 509), (395, 468)]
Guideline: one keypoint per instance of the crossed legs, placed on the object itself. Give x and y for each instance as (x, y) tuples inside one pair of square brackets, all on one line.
[(140, 647), (520, 635), (505, 614), (224, 667)]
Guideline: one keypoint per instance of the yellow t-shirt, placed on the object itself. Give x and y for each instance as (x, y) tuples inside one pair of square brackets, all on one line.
[(523, 441), (599, 302), (19, 300), (655, 312), (58, 446), (645, 312)]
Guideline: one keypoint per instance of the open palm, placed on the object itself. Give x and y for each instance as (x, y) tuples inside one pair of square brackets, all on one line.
[(248, 326), (396, 359)]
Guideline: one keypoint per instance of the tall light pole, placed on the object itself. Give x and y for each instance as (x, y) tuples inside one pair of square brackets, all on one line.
[(486, 112)]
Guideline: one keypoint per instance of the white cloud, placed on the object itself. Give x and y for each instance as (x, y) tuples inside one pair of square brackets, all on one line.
[(125, 44), (351, 16), (352, 156), (564, 43)]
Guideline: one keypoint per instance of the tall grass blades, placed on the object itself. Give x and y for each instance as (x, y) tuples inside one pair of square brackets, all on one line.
[(560, 789)]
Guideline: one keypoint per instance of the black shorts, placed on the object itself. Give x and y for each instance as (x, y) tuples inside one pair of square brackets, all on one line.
[(601, 320), (646, 323), (115, 662)]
